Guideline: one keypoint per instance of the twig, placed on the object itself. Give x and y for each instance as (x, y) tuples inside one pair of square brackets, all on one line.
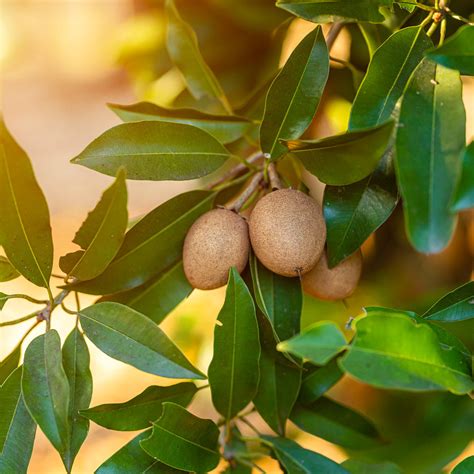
[(333, 33), (20, 320), (250, 425), (26, 297), (275, 181), (238, 201)]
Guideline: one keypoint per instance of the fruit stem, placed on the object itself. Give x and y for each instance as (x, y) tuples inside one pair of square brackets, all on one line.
[(333, 33), (245, 193), (275, 181)]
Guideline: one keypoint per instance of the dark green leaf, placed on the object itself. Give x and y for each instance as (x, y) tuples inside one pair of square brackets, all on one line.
[(25, 231), (346, 158), (319, 381), (457, 305), (387, 75), (139, 412), (129, 336), (429, 142), (278, 389), (324, 11), (297, 460), (156, 298), (235, 450), (101, 234), (233, 372), (76, 365), (46, 390), (7, 272), (318, 343), (295, 94), (154, 151), (10, 363), (183, 441), (3, 299), (152, 245), (336, 423), (457, 52), (356, 466), (465, 467), (224, 128), (184, 51), (392, 349), (17, 428), (131, 459), (464, 195)]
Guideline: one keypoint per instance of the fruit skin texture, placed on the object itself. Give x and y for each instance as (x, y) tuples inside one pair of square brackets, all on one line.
[(288, 232), (217, 241), (333, 283)]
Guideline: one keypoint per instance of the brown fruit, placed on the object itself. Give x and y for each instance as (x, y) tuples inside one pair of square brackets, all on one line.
[(333, 283), (287, 232), (217, 241)]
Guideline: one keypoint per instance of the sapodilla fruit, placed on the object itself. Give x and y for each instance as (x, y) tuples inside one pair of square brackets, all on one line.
[(217, 241), (334, 283), (287, 232)]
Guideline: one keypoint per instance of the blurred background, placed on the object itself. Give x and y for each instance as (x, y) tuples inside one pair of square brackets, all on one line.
[(61, 61)]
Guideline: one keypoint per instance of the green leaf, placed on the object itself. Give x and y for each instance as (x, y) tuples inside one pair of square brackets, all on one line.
[(131, 459), (346, 158), (356, 466), (429, 142), (46, 390), (387, 76), (465, 467), (139, 412), (17, 428), (464, 195), (158, 297), (76, 366), (457, 52), (10, 363), (278, 389), (279, 298), (129, 336), (336, 423), (297, 460), (3, 299), (233, 372), (7, 272), (101, 234), (353, 212), (319, 381), (183, 441), (324, 11), (394, 350), (154, 151), (183, 49), (458, 305), (25, 230), (224, 128), (318, 343), (152, 245), (295, 94)]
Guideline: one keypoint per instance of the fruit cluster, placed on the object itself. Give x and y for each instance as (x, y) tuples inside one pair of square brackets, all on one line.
[(287, 233)]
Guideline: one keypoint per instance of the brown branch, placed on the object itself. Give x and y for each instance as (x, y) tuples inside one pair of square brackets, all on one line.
[(239, 200)]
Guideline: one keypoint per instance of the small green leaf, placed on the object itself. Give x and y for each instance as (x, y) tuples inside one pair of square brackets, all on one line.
[(3, 299), (346, 158), (336, 423), (46, 390), (233, 372), (156, 298), (76, 365), (395, 350), (297, 460), (356, 466), (131, 459), (7, 272), (184, 51), (318, 343), (11, 361), (183, 441), (17, 428), (295, 94), (429, 142), (139, 412), (25, 230), (101, 234), (323, 11), (458, 305), (129, 336), (154, 151), (457, 52), (465, 467), (152, 245), (224, 128), (464, 195)]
